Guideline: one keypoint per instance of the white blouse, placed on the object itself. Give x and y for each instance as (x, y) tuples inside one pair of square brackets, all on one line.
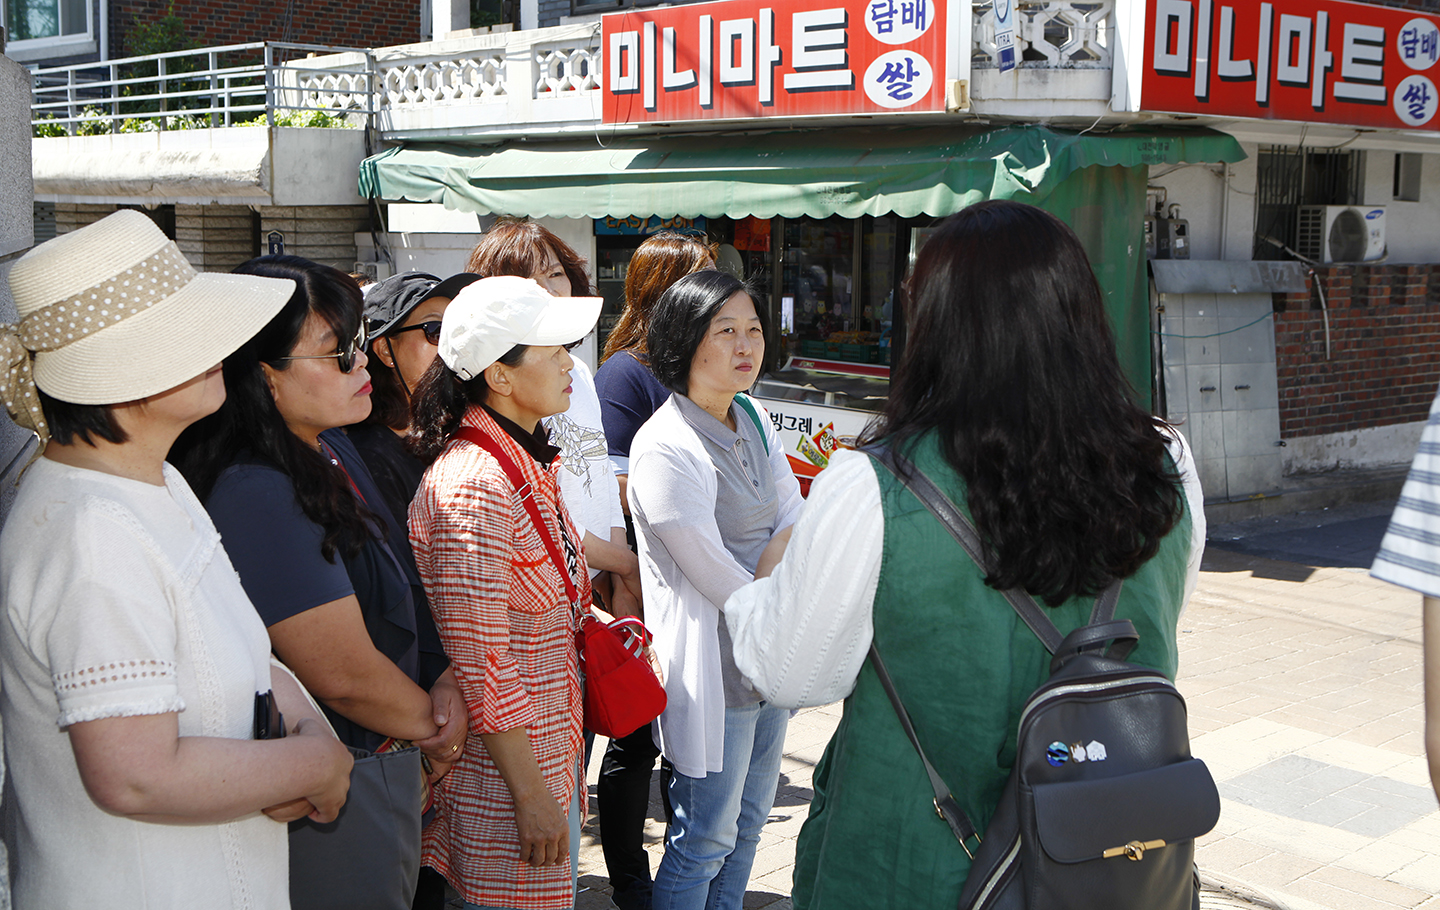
[(587, 477), (118, 602), (802, 634)]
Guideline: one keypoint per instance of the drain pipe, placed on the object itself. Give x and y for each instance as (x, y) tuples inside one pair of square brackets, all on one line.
[(1324, 310), (1316, 282)]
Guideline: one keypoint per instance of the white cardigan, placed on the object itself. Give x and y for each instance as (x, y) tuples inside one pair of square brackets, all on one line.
[(687, 573)]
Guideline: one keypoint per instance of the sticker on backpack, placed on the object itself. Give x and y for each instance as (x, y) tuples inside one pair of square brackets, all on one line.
[(1057, 753)]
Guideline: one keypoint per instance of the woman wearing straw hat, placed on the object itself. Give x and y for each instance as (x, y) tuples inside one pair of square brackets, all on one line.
[(124, 623), (503, 566)]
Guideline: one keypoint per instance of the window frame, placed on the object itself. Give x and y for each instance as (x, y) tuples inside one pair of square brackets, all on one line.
[(53, 46)]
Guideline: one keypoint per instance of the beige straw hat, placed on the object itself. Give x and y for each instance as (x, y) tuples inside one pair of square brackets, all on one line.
[(113, 312)]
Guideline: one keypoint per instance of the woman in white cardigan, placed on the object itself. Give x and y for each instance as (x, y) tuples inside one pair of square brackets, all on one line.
[(710, 488), (135, 671)]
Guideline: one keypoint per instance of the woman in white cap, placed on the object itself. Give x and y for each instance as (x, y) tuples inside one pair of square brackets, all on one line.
[(587, 481), (124, 624), (506, 575)]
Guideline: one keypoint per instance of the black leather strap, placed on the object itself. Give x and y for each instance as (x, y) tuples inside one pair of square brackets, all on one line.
[(945, 804)]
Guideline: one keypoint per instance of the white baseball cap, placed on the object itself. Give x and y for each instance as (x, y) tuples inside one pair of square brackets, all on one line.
[(492, 315)]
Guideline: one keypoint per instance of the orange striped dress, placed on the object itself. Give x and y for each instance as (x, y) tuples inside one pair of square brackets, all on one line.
[(508, 628)]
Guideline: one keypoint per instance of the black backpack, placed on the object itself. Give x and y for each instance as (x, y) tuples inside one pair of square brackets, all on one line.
[(1105, 801)]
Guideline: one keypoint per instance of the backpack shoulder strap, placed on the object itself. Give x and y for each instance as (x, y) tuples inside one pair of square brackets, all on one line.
[(748, 407), (945, 805), (960, 527)]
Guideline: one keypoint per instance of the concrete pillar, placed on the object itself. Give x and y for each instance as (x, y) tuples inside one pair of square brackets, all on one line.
[(17, 231), (17, 227), (448, 16)]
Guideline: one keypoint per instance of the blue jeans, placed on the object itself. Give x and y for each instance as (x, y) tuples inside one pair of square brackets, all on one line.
[(710, 845)]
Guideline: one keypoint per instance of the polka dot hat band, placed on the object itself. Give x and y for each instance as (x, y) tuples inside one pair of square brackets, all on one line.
[(113, 312)]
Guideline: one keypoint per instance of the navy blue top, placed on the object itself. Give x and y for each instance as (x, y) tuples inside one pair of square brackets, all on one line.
[(629, 394), (275, 549)]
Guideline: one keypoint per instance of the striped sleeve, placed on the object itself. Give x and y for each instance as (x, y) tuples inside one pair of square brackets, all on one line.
[(1410, 553)]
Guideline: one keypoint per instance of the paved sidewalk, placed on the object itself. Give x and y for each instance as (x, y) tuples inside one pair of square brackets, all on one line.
[(1304, 692)]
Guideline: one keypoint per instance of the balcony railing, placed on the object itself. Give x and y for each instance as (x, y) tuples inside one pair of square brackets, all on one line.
[(217, 86)]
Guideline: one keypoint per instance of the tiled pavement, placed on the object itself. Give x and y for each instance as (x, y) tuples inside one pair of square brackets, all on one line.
[(1304, 693)]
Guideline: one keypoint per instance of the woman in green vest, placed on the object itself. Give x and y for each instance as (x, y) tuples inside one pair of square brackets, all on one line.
[(1010, 397)]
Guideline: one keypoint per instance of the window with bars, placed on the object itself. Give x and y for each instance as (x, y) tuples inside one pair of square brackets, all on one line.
[(1289, 177)]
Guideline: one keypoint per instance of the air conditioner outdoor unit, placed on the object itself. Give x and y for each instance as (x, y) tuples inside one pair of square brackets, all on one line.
[(1341, 233)]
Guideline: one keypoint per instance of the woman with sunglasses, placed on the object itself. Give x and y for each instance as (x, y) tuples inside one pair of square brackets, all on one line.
[(402, 318), (326, 565)]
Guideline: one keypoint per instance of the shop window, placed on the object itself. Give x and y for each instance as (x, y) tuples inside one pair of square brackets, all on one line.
[(1407, 177), (1287, 178), (49, 26), (836, 290)]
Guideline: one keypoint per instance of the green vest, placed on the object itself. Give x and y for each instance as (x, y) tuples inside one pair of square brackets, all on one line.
[(964, 664)]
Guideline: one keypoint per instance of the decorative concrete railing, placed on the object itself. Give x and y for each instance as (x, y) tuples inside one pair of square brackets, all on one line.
[(1058, 33), (549, 79)]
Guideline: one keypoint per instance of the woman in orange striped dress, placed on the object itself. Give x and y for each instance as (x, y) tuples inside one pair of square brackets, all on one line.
[(506, 576)]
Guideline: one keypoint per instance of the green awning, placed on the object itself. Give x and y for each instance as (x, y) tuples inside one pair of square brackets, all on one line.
[(817, 173)]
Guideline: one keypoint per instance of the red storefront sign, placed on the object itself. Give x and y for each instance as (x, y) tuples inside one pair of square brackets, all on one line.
[(748, 59), (1307, 60)]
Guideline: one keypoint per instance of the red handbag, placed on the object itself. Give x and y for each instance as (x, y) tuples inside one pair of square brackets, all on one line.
[(622, 691)]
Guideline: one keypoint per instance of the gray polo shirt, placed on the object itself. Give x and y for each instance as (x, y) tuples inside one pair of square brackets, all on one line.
[(746, 507)]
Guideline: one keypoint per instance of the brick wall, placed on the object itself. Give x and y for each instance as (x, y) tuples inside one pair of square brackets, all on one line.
[(1384, 349), (377, 23)]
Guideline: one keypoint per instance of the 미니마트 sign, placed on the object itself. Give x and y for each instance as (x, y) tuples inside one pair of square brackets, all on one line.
[(747, 58), (1307, 60)]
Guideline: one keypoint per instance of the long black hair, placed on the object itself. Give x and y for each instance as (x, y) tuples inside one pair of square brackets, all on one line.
[(681, 318), (249, 419), (441, 399), (1011, 360)]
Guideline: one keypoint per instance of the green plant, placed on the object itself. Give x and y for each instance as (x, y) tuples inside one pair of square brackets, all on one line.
[(313, 119), (92, 122), (45, 127), (159, 36)]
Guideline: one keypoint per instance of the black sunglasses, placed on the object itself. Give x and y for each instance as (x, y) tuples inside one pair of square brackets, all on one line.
[(431, 330), (344, 355)]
